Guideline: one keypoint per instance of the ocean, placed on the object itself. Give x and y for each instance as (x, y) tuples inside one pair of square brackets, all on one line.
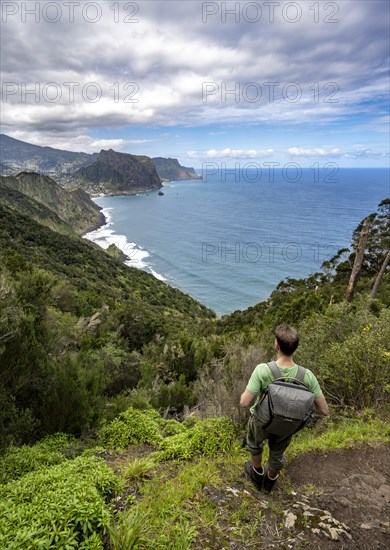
[(229, 239)]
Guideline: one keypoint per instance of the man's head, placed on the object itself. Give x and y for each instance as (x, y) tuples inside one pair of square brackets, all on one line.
[(287, 339)]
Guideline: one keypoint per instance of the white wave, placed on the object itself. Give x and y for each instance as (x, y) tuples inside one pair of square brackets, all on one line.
[(157, 275), (92, 235), (136, 255)]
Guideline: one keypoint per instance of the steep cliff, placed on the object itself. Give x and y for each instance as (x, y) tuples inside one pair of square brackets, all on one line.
[(115, 173), (169, 169), (36, 192)]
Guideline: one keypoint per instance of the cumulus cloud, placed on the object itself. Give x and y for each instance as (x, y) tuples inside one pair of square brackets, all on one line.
[(359, 151), (78, 143), (149, 67), (315, 152), (363, 152), (228, 153)]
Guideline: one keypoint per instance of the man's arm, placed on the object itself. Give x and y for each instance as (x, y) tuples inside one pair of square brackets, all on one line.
[(247, 398), (320, 406)]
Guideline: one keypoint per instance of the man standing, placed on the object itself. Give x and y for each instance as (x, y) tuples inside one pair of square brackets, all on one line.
[(286, 342)]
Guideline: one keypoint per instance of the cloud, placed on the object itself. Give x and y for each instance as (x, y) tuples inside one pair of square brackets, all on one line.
[(79, 143), (359, 151), (152, 72), (316, 152), (228, 153), (363, 152)]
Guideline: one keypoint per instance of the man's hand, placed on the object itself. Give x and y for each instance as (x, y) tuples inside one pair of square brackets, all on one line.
[(247, 398), (320, 406)]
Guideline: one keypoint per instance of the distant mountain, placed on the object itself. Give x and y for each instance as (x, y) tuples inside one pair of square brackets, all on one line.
[(49, 203), (107, 172), (118, 174), (169, 169), (18, 156)]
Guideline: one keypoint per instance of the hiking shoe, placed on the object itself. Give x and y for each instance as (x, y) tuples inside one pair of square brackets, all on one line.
[(256, 479), (268, 482)]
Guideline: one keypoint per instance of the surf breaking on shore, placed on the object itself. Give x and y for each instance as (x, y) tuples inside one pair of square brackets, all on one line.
[(136, 255)]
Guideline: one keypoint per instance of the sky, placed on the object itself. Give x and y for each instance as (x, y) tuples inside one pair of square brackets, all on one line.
[(227, 83)]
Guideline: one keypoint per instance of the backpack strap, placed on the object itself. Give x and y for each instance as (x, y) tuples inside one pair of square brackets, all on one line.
[(275, 369), (277, 374), (300, 374)]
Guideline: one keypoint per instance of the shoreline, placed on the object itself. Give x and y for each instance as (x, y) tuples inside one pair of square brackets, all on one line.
[(141, 191), (135, 255), (122, 194)]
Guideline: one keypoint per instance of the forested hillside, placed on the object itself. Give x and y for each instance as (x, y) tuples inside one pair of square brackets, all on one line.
[(101, 352), (73, 324), (74, 208)]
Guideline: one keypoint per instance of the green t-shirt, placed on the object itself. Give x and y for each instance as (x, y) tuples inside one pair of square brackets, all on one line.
[(262, 377)]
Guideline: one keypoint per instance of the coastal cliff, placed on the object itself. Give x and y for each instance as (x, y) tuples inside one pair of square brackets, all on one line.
[(169, 169), (49, 203), (115, 173)]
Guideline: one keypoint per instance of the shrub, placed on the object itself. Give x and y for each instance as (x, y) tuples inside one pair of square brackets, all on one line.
[(221, 382), (347, 348), (209, 437), (60, 507), (132, 426), (18, 461), (190, 421), (171, 427)]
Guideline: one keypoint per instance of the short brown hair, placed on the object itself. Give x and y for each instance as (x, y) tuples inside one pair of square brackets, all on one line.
[(287, 338)]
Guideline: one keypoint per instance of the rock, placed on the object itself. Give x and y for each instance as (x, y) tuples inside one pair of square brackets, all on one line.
[(290, 520), (118, 174), (169, 169)]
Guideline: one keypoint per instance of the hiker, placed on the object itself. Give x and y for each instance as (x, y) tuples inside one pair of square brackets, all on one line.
[(286, 342)]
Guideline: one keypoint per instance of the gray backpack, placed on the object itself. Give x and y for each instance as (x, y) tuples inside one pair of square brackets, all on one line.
[(285, 407)]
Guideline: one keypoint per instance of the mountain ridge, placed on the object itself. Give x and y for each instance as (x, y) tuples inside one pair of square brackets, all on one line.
[(73, 208), (69, 168), (116, 173), (170, 169)]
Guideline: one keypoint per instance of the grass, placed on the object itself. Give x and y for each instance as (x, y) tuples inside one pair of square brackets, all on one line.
[(139, 468), (206, 501), (346, 433), (210, 499)]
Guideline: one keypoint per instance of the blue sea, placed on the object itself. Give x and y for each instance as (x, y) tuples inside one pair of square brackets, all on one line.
[(230, 238)]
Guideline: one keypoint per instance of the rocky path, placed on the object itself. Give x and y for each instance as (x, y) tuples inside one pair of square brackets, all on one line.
[(351, 487)]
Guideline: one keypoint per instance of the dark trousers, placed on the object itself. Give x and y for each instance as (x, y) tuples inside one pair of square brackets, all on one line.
[(277, 444)]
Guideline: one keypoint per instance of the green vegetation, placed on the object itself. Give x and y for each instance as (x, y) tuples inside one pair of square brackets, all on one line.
[(91, 347), (342, 434), (209, 438), (62, 506), (352, 357), (18, 461), (118, 174), (73, 324), (130, 427), (45, 200), (73, 502), (37, 211), (134, 426), (169, 169)]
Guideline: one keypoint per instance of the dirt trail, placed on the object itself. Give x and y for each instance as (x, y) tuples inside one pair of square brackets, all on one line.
[(336, 500), (353, 486)]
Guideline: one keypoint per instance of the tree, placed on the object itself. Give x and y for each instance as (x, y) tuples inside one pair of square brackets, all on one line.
[(379, 277), (357, 266)]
